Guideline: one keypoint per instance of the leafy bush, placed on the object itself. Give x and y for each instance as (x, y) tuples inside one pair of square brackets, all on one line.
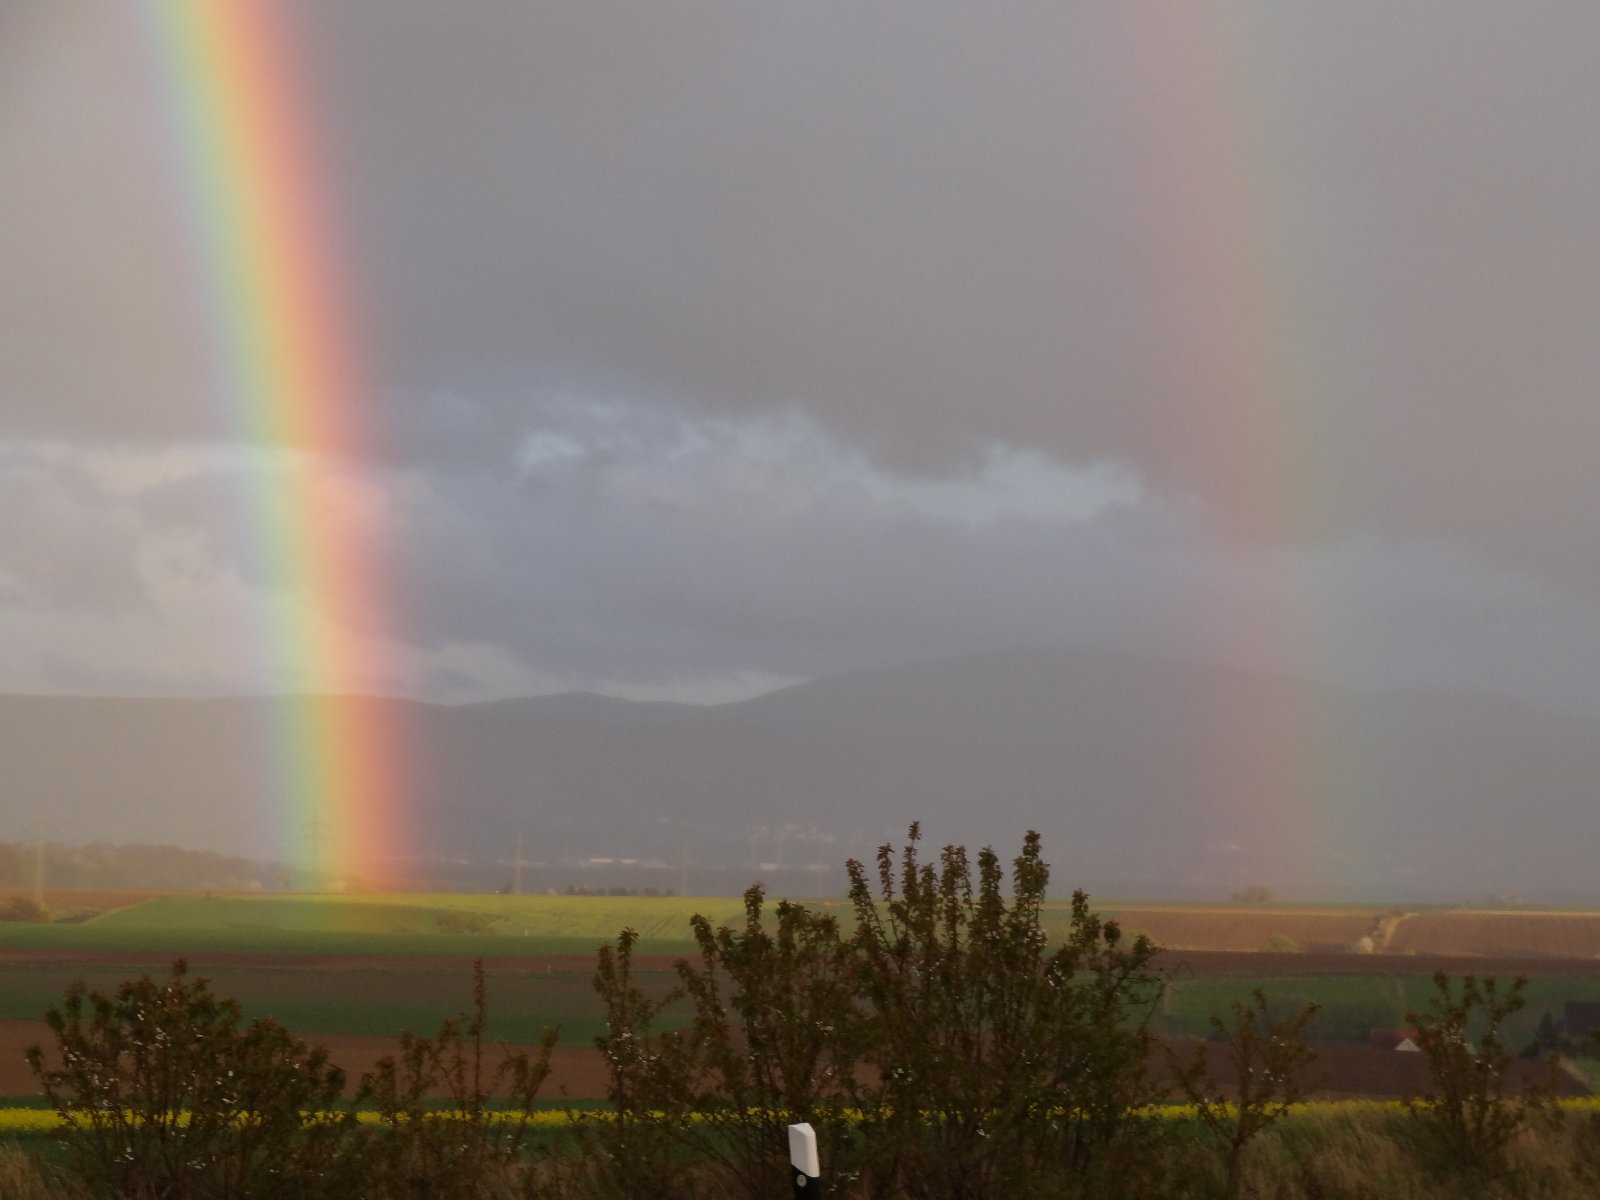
[(773, 1036), (639, 1149), (1473, 1110), (997, 1064), (973, 1059), (166, 1094)]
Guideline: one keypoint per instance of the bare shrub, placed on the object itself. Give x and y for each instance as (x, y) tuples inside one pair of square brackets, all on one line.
[(1266, 1060), (439, 1136)]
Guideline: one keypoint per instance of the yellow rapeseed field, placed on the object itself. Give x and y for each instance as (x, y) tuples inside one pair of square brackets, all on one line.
[(41, 1120)]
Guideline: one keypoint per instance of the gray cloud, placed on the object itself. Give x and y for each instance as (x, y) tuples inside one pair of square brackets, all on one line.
[(931, 229), (655, 551), (712, 345)]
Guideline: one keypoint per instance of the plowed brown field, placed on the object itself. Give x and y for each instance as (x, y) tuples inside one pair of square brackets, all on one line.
[(1490, 933), (1236, 927), (1498, 934)]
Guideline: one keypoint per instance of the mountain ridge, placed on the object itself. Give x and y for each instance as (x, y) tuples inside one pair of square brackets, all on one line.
[(1145, 775)]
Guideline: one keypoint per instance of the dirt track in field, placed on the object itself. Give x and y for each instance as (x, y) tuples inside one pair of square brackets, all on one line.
[(1248, 965)]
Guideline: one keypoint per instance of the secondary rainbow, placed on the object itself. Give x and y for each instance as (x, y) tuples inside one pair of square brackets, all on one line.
[(1235, 261), (287, 362)]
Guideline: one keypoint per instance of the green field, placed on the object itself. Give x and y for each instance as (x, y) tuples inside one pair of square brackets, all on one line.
[(465, 926), (461, 926)]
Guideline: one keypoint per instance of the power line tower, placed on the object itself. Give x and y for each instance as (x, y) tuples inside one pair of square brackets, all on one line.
[(516, 868)]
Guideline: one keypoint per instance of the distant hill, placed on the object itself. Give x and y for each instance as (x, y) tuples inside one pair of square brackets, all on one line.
[(1146, 777), (102, 865)]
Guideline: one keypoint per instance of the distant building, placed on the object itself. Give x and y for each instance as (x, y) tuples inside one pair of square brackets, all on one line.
[(1404, 1040), (1582, 1019)]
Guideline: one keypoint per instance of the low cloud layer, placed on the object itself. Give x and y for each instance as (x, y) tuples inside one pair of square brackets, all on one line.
[(639, 549)]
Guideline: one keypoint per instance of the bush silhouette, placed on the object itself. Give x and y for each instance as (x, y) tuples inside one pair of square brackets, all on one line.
[(945, 1046), (167, 1094)]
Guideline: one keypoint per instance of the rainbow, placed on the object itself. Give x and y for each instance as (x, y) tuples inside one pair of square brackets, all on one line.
[(287, 363), (1231, 251)]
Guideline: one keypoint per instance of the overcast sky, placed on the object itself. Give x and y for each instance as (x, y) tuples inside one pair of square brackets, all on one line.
[(713, 346)]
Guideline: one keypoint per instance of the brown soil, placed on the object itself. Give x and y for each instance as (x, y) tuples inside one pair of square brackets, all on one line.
[(1495, 933), (1491, 933), (1235, 927)]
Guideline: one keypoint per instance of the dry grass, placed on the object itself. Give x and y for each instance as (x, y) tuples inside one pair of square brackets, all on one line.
[(1350, 1151), (24, 1177), (1377, 1152)]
